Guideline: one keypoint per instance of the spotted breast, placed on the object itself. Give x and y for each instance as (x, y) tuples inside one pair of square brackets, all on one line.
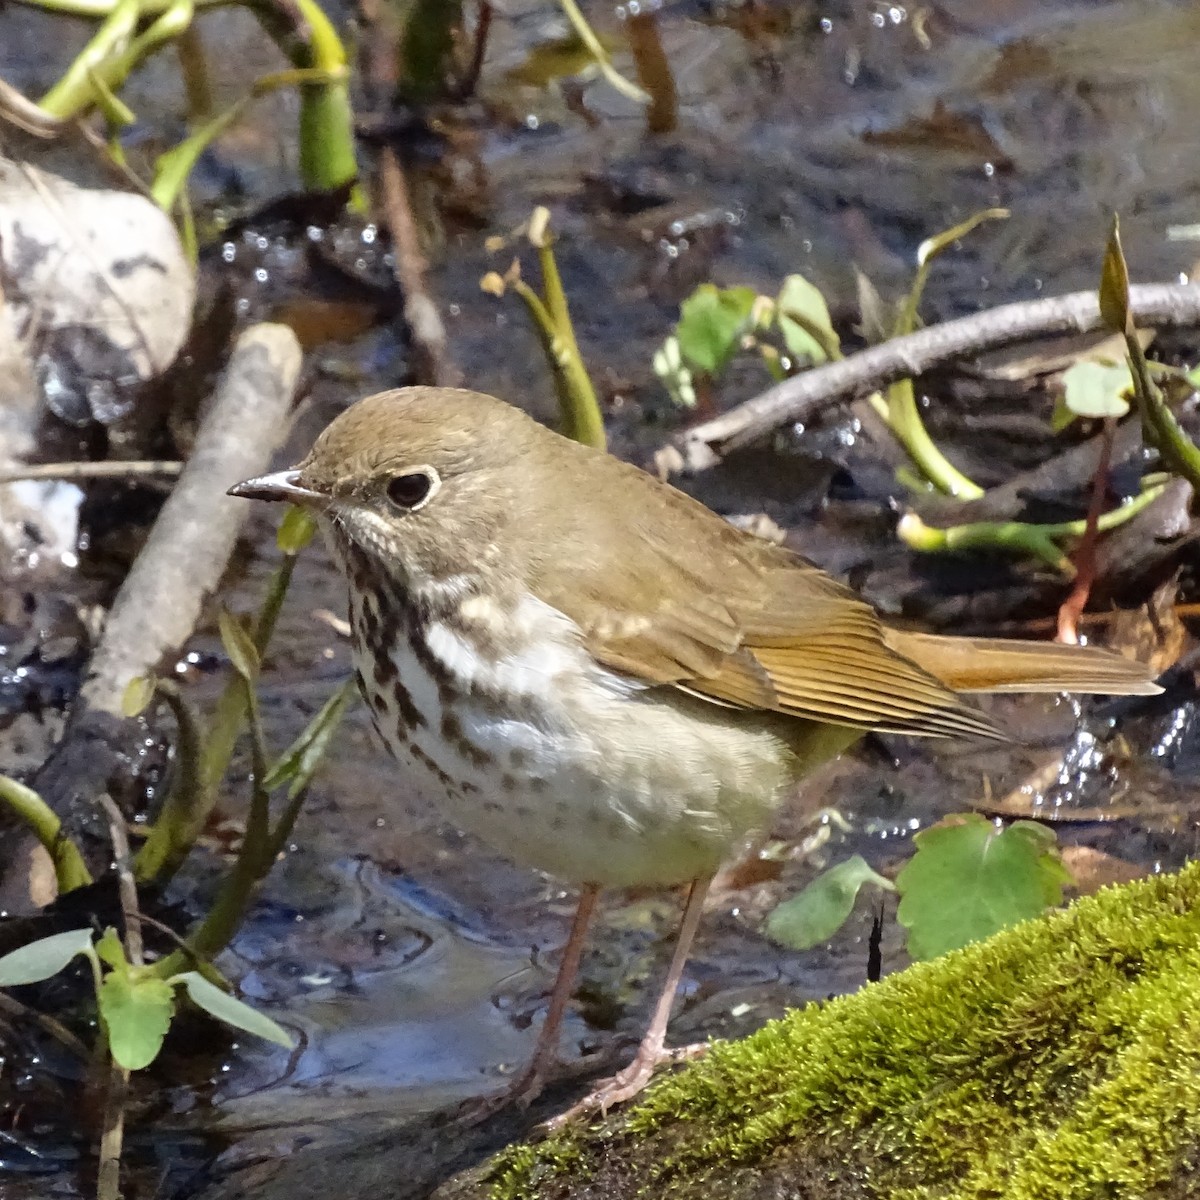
[(500, 718)]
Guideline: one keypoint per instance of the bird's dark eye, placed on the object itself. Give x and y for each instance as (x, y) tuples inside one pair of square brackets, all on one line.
[(412, 489)]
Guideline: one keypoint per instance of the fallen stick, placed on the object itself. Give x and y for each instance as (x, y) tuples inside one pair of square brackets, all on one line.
[(800, 398), (181, 563), (426, 331)]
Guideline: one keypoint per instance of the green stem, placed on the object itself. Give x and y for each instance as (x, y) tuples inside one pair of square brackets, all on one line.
[(904, 420), (327, 157), (1159, 425), (595, 48), (182, 817), (112, 54), (69, 869), (75, 91), (1018, 537), (581, 416), (576, 398)]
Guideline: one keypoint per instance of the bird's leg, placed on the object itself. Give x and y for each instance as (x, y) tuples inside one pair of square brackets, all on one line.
[(626, 1083), (545, 1053), (526, 1086)]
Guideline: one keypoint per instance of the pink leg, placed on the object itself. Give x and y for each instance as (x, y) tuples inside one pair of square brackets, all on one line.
[(527, 1086), (628, 1082), (545, 1053)]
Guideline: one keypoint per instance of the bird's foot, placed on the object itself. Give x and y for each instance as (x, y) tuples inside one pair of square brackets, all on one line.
[(520, 1092), (626, 1083)]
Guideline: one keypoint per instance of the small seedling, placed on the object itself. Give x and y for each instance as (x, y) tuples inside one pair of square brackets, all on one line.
[(135, 1004)]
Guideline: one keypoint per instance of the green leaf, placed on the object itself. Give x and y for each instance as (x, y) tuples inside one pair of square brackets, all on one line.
[(238, 645), (1114, 284), (819, 911), (137, 1011), (1092, 389), (43, 958), (110, 949), (804, 322), (711, 323), (295, 530), (230, 1010), (970, 879), (300, 761)]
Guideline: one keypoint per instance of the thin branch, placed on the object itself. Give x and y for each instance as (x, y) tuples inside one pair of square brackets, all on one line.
[(182, 561), (801, 397), (420, 312), (126, 884), (109, 469)]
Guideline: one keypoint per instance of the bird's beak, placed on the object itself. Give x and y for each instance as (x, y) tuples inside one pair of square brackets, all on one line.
[(282, 485)]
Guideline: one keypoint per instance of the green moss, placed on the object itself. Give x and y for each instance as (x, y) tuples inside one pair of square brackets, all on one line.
[(1060, 1059), (519, 1169)]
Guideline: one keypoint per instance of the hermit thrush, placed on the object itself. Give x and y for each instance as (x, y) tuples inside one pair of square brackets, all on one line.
[(597, 675)]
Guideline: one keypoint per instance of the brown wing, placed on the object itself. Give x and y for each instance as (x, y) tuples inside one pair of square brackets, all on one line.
[(667, 592)]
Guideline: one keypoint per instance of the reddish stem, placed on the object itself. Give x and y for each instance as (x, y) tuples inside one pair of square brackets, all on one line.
[(1084, 558)]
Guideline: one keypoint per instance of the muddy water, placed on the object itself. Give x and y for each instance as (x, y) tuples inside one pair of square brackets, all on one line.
[(789, 137)]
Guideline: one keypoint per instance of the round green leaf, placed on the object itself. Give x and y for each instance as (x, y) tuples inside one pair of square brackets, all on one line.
[(137, 1011), (804, 321), (711, 323), (820, 910), (230, 1010), (43, 958), (1092, 389), (970, 879)]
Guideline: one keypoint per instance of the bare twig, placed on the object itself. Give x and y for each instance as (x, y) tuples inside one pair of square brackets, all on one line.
[(108, 1184), (108, 469), (182, 561), (1162, 305), (420, 312), (126, 884)]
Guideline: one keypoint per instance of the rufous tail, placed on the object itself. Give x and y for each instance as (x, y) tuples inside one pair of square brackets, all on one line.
[(967, 664)]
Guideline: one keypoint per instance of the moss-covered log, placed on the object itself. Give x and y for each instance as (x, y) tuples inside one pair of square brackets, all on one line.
[(1058, 1061)]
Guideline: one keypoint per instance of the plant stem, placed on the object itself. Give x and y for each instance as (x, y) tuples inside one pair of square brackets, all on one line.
[(904, 420), (1016, 536), (1084, 558), (1161, 428), (595, 48), (181, 818), (108, 1184), (70, 871)]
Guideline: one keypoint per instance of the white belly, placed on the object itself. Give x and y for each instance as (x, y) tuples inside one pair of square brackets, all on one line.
[(593, 781)]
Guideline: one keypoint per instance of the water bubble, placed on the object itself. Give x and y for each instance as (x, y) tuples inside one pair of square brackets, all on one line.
[(228, 252), (826, 25)]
